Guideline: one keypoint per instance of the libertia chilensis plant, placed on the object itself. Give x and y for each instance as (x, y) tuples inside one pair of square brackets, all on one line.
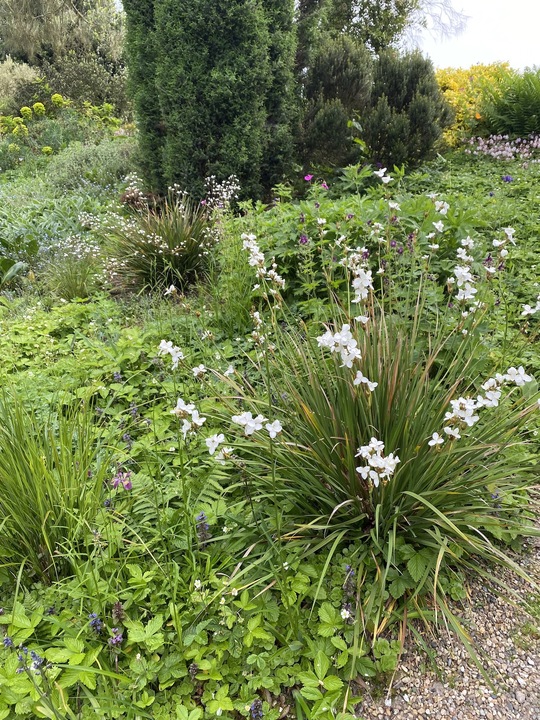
[(387, 432)]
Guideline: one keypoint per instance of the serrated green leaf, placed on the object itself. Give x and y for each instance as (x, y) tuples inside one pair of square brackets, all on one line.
[(311, 693), (397, 588), (416, 565), (332, 683), (338, 642), (328, 614), (321, 664)]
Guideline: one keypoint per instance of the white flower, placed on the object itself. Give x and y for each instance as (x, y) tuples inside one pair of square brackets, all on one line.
[(345, 614), (196, 419), (197, 584), (213, 442), (386, 179), (393, 205), (249, 423), (361, 378), (186, 427), (321, 221), (442, 207), (519, 377), (229, 371), (439, 225), (199, 370), (453, 432), (167, 348), (362, 319), (436, 439), (223, 455), (468, 242), (380, 172), (171, 290), (434, 246), (274, 428), (181, 409)]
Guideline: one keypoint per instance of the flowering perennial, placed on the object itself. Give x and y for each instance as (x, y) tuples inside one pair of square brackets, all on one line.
[(464, 413), (378, 466), (185, 411), (342, 342), (167, 348)]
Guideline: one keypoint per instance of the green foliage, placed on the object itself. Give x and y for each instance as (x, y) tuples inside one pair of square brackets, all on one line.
[(103, 164), (407, 113), (337, 90), (52, 470), (15, 79), (512, 106), (142, 60), (379, 24), (219, 132), (161, 246), (242, 123)]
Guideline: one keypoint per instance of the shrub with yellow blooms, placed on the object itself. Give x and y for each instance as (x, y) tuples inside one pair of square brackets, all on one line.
[(464, 88)]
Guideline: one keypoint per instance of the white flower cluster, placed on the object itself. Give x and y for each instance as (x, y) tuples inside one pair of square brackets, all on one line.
[(528, 310), (378, 467), (257, 261), (167, 348), (463, 275), (219, 195), (500, 246), (465, 410), (187, 410), (362, 283), (252, 424), (342, 342), (361, 379), (382, 174)]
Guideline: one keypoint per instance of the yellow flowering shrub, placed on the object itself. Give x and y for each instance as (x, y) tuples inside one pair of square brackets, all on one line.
[(463, 90)]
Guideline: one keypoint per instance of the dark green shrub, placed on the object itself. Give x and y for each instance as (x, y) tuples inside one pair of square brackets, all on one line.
[(282, 101), (212, 79), (513, 107), (408, 111), (213, 91), (337, 89), (141, 57)]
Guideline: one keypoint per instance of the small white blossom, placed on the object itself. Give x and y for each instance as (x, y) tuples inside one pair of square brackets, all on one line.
[(519, 377), (436, 439), (198, 371), (439, 225), (213, 442), (274, 428)]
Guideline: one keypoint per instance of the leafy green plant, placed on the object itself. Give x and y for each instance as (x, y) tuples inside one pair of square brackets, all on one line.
[(407, 112), (160, 246), (513, 106), (404, 456), (53, 469)]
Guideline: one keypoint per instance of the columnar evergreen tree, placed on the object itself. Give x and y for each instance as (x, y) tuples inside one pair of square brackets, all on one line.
[(214, 90), (282, 102), (212, 81), (140, 45)]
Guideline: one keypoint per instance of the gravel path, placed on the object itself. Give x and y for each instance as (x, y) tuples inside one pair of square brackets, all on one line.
[(508, 638)]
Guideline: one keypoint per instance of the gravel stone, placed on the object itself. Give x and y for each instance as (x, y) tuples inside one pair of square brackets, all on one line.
[(507, 642)]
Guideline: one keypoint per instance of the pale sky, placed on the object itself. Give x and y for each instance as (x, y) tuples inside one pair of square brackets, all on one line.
[(497, 30)]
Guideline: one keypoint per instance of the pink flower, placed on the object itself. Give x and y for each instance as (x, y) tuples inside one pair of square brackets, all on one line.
[(324, 185), (308, 178)]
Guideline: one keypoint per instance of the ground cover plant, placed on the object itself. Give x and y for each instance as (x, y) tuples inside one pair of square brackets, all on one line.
[(265, 479)]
